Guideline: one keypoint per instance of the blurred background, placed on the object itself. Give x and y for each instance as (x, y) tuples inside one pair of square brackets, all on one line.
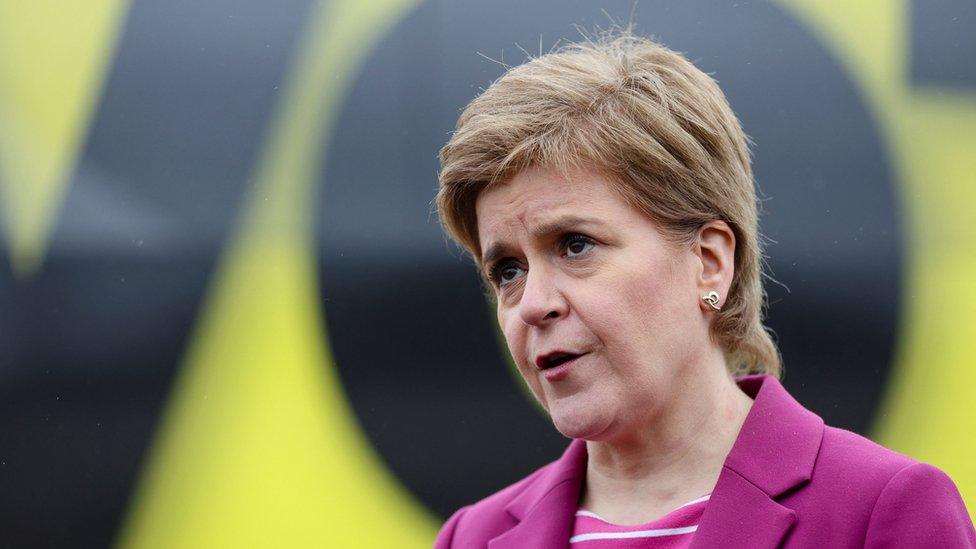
[(228, 317)]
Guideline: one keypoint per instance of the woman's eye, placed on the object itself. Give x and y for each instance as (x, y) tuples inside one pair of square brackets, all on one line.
[(506, 272), (577, 245)]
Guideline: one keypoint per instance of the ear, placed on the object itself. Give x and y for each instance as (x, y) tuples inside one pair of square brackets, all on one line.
[(715, 249)]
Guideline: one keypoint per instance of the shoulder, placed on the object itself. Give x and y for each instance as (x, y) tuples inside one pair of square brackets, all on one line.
[(920, 506), (851, 471), (475, 524), (849, 454), (854, 460), (898, 500)]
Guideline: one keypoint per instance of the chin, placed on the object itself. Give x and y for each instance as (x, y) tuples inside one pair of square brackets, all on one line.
[(574, 424)]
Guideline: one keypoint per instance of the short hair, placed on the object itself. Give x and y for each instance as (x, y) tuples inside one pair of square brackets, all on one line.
[(659, 128)]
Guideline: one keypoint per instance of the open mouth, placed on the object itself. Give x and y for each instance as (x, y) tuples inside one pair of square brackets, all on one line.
[(555, 359)]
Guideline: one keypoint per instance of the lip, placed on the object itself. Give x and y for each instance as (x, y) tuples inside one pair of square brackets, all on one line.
[(540, 361), (560, 372)]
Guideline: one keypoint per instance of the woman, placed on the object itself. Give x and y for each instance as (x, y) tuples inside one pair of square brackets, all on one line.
[(606, 195)]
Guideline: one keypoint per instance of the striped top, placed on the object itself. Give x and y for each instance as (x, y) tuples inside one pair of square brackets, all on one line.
[(672, 531)]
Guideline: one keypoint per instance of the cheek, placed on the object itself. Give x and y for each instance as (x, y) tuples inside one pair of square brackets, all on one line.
[(515, 339), (640, 308)]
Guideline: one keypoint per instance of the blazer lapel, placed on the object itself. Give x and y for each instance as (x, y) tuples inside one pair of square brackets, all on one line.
[(774, 454), (548, 525), (546, 511), (741, 515)]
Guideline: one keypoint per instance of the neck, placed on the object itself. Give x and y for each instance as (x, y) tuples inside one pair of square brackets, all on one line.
[(674, 456)]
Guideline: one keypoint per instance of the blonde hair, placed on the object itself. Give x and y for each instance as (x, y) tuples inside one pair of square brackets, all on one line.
[(661, 131)]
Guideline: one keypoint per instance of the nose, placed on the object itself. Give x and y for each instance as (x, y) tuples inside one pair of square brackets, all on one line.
[(542, 302)]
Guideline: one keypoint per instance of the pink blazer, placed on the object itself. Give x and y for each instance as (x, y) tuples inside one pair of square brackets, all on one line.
[(789, 481)]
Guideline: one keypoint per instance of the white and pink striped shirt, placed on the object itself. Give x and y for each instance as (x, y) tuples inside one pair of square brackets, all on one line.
[(672, 531)]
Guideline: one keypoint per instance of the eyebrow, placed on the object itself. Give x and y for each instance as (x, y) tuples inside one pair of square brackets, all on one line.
[(559, 225)]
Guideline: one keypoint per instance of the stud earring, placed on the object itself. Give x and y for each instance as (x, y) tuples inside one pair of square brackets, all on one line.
[(712, 299)]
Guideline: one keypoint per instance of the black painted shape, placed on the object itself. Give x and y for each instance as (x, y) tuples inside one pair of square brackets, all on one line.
[(91, 343), (410, 330), (943, 43), (829, 203)]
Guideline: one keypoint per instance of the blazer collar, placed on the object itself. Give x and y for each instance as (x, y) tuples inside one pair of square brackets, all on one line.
[(547, 508), (779, 441), (774, 453)]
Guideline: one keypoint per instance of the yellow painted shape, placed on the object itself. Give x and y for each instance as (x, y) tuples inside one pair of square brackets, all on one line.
[(54, 58), (928, 411), (259, 446)]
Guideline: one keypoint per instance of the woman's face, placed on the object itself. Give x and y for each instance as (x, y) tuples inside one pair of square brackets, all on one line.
[(582, 275)]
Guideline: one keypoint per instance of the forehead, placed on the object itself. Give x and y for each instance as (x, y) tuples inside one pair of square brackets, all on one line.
[(536, 196)]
